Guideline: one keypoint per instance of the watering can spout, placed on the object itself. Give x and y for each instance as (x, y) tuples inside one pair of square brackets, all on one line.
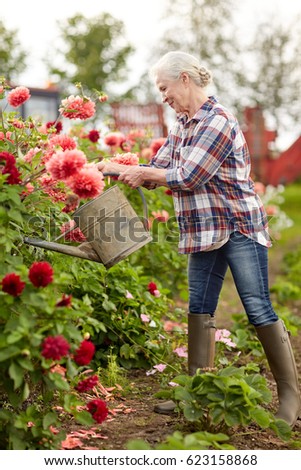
[(84, 250)]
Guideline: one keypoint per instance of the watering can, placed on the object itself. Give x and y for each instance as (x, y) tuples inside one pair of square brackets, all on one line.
[(111, 226)]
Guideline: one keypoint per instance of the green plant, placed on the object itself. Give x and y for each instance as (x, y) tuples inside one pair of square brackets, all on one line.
[(225, 399), (178, 441)]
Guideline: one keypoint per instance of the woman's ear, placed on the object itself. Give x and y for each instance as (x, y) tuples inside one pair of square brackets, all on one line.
[(185, 78)]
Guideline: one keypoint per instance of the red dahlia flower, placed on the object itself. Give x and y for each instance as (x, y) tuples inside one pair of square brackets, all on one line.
[(55, 347), (84, 354), (18, 96), (58, 126), (40, 274), (12, 284), (93, 135), (98, 409), (87, 384), (65, 301), (9, 168), (152, 287)]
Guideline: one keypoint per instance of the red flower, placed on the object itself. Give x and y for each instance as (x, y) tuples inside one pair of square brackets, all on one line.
[(168, 192), (84, 354), (55, 347), (12, 284), (40, 274), (10, 168), (152, 287), (18, 96), (93, 135), (57, 126), (65, 301), (98, 409), (87, 384)]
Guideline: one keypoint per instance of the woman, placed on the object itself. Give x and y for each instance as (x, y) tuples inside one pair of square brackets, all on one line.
[(206, 163)]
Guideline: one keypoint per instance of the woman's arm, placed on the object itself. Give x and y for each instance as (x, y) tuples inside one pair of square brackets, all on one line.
[(135, 175)]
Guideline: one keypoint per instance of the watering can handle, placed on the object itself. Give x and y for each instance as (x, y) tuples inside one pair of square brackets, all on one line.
[(145, 209)]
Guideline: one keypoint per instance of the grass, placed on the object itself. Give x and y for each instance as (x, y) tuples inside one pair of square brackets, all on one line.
[(292, 207)]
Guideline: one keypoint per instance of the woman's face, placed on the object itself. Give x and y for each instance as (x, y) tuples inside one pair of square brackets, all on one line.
[(173, 92)]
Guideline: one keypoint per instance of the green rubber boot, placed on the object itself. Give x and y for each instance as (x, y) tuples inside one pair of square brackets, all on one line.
[(276, 343), (201, 350)]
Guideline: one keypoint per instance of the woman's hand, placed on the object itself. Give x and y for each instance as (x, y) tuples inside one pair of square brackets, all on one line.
[(110, 167), (133, 176)]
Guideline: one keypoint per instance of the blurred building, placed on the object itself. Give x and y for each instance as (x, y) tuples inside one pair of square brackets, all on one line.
[(269, 166)]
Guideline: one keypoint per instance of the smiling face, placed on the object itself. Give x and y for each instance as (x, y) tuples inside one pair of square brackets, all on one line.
[(174, 92)]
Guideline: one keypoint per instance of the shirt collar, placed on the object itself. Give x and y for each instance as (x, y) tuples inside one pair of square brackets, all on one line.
[(207, 106)]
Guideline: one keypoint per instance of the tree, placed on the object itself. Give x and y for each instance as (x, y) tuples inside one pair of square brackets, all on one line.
[(95, 54), (12, 57), (203, 28), (275, 77)]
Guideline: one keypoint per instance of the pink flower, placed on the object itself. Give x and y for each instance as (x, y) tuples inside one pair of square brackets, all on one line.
[(161, 216), (126, 158), (87, 183), (62, 165), (98, 409), (18, 96), (157, 367), (84, 354), (114, 139), (128, 295), (103, 98), (40, 274), (55, 347), (223, 337), (76, 107), (144, 318), (157, 144), (87, 384), (181, 352), (12, 284)]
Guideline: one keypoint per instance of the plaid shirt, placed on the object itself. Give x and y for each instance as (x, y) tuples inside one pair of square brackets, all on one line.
[(208, 170)]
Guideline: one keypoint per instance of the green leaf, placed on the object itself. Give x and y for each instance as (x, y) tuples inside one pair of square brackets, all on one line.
[(49, 419), (191, 413), (261, 417), (16, 373), (9, 352), (84, 417), (138, 444), (59, 381)]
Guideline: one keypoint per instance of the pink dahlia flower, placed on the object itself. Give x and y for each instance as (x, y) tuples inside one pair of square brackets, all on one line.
[(18, 96), (76, 107), (62, 165), (126, 158), (87, 183)]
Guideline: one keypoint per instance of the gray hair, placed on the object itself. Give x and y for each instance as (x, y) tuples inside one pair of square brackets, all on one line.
[(172, 64)]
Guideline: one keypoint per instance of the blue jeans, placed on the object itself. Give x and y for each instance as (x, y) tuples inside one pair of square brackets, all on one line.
[(248, 262)]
